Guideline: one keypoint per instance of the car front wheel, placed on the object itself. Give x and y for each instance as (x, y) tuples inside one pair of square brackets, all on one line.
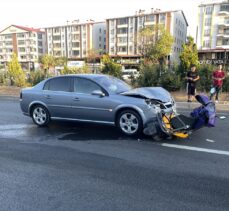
[(129, 122), (40, 115)]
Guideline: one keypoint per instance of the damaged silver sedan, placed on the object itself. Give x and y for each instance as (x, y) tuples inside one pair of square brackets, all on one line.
[(99, 99)]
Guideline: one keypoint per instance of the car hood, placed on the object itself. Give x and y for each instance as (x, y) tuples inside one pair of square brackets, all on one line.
[(155, 93)]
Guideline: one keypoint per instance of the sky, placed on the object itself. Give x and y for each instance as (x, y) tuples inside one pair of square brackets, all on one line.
[(46, 13)]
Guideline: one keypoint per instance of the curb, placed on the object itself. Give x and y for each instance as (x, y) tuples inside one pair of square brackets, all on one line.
[(7, 97), (190, 106)]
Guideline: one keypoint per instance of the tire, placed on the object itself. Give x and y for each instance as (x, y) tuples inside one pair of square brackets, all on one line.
[(129, 123), (40, 115)]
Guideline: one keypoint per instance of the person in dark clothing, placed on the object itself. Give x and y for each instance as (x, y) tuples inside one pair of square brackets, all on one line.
[(192, 77), (218, 77)]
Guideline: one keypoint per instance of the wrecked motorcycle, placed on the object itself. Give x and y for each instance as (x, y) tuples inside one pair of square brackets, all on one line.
[(181, 126)]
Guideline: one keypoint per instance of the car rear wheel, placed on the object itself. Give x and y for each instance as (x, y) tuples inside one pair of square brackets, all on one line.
[(40, 115), (129, 123)]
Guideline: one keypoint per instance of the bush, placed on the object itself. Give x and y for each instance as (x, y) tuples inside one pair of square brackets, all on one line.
[(226, 84), (149, 75), (170, 81), (73, 70), (205, 73), (36, 77)]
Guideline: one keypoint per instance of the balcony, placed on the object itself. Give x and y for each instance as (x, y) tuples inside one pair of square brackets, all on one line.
[(122, 25), (122, 53), (223, 12), (149, 23), (223, 23), (76, 32), (56, 41), (122, 35), (122, 44), (223, 35)]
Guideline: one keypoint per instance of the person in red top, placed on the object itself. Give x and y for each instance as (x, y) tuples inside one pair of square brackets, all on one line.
[(218, 77)]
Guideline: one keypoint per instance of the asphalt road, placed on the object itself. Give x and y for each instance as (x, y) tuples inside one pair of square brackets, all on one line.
[(72, 166)]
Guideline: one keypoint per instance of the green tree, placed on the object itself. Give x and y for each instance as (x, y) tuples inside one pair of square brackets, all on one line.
[(189, 55), (47, 61), (60, 61), (16, 74), (110, 67), (154, 43)]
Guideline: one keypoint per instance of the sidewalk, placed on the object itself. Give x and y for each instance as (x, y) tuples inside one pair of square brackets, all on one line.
[(181, 101)]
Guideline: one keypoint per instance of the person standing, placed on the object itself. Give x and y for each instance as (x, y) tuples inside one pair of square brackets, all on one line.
[(218, 77), (192, 77)]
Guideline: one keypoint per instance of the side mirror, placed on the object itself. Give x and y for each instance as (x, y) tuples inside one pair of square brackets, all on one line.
[(98, 93)]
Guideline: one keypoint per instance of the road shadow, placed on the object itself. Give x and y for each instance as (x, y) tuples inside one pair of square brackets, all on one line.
[(75, 131)]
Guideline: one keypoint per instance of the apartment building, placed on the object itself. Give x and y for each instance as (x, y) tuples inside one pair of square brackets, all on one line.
[(75, 40), (122, 33), (27, 43), (213, 32)]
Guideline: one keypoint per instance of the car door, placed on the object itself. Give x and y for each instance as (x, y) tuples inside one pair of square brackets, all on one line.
[(57, 96), (87, 106)]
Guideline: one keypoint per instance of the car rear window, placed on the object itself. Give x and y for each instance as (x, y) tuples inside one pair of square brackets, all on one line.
[(58, 84)]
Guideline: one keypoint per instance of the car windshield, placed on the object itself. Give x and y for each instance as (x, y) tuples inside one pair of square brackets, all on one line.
[(113, 85)]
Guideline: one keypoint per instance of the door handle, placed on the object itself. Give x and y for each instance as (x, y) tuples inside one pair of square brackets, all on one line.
[(76, 99), (47, 96)]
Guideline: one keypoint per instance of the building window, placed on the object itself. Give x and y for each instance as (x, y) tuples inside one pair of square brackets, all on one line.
[(8, 36), (208, 22), (112, 50), (206, 43), (140, 21), (122, 31), (21, 35), (40, 43), (9, 43), (226, 42), (21, 49), (112, 31), (122, 49), (122, 21), (207, 32), (39, 36), (208, 10), (122, 39), (224, 7), (150, 18), (162, 18)]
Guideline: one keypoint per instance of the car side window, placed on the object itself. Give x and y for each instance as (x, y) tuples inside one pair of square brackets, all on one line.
[(85, 86), (58, 84)]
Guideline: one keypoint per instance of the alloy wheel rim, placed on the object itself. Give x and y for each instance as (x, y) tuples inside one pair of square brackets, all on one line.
[(39, 115), (129, 123)]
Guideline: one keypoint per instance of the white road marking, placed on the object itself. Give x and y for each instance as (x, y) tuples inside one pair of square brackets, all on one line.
[(15, 126), (213, 151), (209, 140)]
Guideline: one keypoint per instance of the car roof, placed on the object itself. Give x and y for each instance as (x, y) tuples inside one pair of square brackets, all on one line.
[(88, 76)]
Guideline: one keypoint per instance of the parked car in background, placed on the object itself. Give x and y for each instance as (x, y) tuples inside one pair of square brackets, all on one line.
[(127, 74), (95, 98)]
